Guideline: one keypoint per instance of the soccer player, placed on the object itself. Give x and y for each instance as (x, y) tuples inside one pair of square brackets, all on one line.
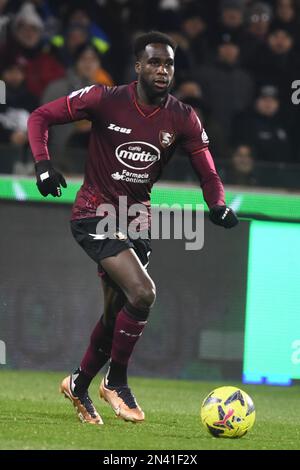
[(135, 130)]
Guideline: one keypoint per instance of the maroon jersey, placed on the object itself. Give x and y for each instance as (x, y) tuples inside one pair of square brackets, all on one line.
[(129, 144)]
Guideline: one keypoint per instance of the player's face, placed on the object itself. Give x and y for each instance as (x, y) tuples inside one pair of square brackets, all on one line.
[(155, 69)]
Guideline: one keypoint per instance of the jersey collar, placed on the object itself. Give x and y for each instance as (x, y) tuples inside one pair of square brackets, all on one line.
[(145, 110)]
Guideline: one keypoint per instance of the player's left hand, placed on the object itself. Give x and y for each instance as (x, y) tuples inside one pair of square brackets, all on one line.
[(224, 216)]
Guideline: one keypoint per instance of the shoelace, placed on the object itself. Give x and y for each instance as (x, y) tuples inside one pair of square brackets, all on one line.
[(88, 404), (127, 396)]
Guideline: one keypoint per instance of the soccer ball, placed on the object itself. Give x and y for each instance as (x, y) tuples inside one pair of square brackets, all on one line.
[(228, 412)]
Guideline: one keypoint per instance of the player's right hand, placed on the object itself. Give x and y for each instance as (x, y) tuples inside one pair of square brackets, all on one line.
[(49, 181)]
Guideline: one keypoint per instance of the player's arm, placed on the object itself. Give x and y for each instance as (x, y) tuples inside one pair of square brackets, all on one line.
[(75, 107), (195, 142)]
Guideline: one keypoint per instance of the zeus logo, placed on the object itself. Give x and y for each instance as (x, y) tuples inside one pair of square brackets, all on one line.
[(115, 128), (137, 155)]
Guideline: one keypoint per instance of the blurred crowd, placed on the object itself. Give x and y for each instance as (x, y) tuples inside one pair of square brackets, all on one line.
[(235, 64)]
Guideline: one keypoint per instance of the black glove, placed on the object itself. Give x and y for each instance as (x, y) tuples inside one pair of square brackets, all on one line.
[(48, 179), (224, 216)]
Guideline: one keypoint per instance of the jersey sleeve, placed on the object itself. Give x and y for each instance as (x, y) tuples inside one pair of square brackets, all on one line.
[(194, 137), (195, 142), (85, 103), (80, 104)]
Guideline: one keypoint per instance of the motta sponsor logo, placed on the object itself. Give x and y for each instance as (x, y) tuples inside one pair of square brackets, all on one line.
[(137, 155)]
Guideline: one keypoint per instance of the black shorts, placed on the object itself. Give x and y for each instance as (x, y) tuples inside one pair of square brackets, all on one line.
[(84, 232)]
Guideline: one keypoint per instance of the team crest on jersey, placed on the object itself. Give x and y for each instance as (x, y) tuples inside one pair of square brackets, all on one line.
[(166, 138), (204, 137)]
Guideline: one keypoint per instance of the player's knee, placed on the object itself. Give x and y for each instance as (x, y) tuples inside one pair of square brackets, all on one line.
[(143, 296), (150, 295)]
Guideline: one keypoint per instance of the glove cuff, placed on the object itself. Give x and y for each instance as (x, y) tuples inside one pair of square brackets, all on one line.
[(43, 165)]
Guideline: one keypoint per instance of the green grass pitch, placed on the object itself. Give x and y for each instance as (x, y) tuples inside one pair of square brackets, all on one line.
[(33, 415)]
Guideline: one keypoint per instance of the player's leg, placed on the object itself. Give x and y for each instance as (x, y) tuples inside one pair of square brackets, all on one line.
[(99, 348), (128, 273), (75, 387), (114, 300)]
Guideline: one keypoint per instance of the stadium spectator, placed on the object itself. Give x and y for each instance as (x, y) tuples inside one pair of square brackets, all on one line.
[(13, 120), (218, 142), (231, 21), (26, 47), (225, 48), (120, 20), (194, 28), (278, 62), (227, 88), (179, 167), (286, 17), (48, 11), (188, 88), (264, 128), (241, 169), (232, 15), (64, 47), (4, 19), (169, 21), (86, 71), (80, 17), (17, 93), (259, 20)]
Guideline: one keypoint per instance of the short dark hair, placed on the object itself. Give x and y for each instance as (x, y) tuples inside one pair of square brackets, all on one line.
[(153, 37)]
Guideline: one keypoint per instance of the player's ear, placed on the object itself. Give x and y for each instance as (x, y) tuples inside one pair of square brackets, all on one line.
[(137, 66)]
